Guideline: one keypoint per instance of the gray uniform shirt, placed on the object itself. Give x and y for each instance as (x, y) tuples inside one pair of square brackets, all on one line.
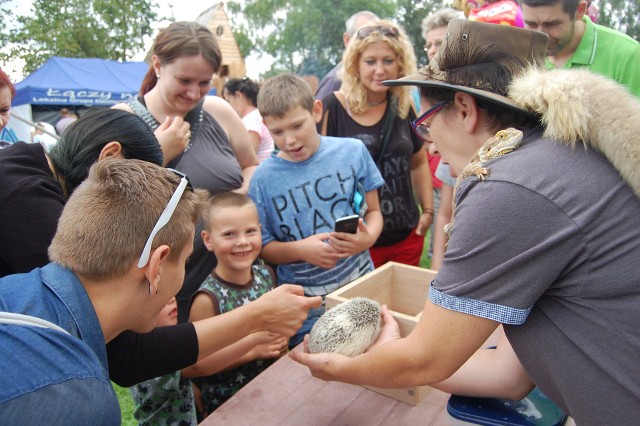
[(549, 245)]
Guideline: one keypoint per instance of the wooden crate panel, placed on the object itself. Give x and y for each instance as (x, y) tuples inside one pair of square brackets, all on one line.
[(404, 289)]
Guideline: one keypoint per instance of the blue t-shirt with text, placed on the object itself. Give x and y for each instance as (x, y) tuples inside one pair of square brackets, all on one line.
[(299, 199)]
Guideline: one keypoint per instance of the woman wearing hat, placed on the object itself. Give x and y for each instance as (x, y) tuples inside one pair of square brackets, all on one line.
[(546, 235), (381, 116)]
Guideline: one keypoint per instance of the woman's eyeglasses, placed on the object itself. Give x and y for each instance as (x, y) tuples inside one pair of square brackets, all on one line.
[(420, 127), (385, 30), (165, 216)]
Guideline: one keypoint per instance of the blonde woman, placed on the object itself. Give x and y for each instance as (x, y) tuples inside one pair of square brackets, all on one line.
[(363, 108)]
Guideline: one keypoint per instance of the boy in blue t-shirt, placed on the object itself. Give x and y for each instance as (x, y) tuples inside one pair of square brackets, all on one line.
[(301, 191)]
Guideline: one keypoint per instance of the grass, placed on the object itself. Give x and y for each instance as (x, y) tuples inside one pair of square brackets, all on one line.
[(124, 397), (126, 405), (425, 261)]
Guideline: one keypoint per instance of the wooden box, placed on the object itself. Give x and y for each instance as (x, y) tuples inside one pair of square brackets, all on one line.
[(404, 289)]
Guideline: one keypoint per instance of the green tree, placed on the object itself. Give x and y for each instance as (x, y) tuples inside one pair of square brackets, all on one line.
[(621, 15), (304, 36), (410, 15), (109, 29)]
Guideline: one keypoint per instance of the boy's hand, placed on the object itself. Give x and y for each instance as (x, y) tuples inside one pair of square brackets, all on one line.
[(283, 310), (173, 135), (346, 245), (268, 345), (315, 251)]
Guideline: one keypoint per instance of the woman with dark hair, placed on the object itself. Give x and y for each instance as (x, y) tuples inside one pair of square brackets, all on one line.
[(242, 95), (200, 135), (36, 184), (101, 133)]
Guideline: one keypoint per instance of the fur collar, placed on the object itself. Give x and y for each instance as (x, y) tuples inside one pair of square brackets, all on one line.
[(579, 105)]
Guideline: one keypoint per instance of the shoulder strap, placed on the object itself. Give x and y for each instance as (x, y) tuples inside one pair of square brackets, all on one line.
[(194, 118), (388, 125), (140, 109), (28, 320)]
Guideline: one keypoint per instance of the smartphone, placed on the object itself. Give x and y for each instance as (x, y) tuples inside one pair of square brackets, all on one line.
[(347, 224)]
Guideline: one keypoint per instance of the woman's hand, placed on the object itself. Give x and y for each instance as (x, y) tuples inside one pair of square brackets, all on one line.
[(390, 329), (174, 135), (323, 366)]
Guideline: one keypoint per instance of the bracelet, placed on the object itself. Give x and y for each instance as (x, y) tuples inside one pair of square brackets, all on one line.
[(427, 211)]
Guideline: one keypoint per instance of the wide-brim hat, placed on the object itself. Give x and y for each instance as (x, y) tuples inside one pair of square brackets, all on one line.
[(458, 64)]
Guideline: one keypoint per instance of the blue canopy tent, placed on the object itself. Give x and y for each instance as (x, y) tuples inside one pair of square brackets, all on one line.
[(81, 81), (78, 83)]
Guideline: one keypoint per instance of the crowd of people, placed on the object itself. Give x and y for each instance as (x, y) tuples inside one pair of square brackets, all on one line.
[(180, 243)]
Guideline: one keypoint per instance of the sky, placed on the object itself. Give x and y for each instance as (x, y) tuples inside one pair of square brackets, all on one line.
[(185, 10)]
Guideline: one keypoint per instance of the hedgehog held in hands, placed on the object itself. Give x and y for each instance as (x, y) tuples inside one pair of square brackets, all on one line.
[(348, 329)]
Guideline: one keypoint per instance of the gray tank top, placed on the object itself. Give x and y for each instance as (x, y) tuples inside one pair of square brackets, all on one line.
[(209, 161)]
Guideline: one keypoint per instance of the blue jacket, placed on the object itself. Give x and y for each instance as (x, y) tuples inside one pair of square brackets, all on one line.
[(46, 376)]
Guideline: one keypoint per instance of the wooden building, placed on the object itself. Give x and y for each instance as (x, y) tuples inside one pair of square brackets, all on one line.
[(215, 18)]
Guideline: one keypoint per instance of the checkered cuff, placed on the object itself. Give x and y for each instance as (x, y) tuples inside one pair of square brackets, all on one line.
[(492, 311)]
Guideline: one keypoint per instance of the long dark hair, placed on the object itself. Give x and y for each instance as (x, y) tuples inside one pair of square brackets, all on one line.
[(80, 145), (182, 39)]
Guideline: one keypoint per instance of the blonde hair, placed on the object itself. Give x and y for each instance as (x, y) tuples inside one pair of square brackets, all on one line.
[(107, 220), (352, 85), (282, 93), (225, 200)]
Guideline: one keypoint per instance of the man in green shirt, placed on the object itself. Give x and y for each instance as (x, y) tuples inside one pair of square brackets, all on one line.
[(575, 41)]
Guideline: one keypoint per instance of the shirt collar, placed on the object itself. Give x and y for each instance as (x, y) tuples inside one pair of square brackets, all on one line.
[(66, 285), (585, 52)]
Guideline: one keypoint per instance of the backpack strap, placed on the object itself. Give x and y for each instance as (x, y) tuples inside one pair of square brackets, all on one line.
[(28, 320)]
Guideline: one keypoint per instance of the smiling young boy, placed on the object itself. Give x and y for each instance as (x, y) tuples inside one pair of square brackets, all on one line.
[(232, 233), (301, 191)]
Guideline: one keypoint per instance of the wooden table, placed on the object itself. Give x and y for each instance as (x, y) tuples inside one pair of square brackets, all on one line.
[(287, 394)]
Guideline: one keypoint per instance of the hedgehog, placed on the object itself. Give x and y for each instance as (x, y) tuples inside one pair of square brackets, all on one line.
[(348, 329)]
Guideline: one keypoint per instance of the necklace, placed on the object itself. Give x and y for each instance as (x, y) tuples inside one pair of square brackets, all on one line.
[(195, 126), (372, 104)]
